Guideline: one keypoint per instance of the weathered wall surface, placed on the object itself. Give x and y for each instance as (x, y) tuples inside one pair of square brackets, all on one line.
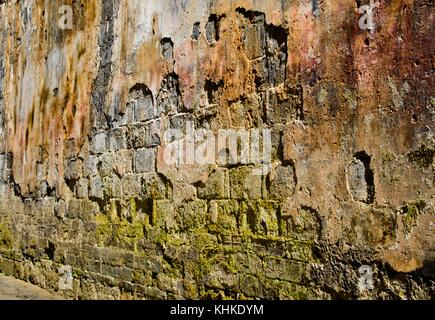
[(84, 182)]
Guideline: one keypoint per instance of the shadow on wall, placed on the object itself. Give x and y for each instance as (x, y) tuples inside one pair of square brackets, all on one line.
[(428, 269)]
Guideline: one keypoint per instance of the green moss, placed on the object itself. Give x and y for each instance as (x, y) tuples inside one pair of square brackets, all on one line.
[(104, 229), (224, 217), (212, 295), (128, 234), (208, 255), (232, 265), (78, 273), (115, 210), (133, 210), (159, 237), (300, 294), (191, 215), (156, 214), (6, 239), (410, 213), (422, 156), (122, 224), (291, 291), (261, 217), (141, 277), (388, 157)]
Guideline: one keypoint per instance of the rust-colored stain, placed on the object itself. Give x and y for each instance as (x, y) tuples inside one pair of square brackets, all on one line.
[(50, 103)]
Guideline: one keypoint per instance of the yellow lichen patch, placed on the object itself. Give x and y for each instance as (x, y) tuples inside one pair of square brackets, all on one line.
[(6, 238)]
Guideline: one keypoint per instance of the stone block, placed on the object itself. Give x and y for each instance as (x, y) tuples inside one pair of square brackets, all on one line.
[(244, 184), (73, 208), (5, 166), (284, 106), (164, 214), (179, 122), (216, 186), (169, 100), (223, 216), (251, 286), (113, 186), (124, 273), (282, 182), (143, 135), (99, 143), (153, 293), (155, 186), (136, 136), (106, 164), (73, 169), (90, 166), (220, 278), (191, 215), (96, 187), (89, 210), (131, 185), (144, 108), (183, 191), (145, 160), (284, 269), (117, 139), (152, 134), (140, 103), (262, 217), (82, 188), (127, 118), (123, 162), (254, 37)]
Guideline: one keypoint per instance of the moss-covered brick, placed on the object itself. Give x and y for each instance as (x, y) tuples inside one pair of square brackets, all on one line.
[(216, 186), (163, 215), (123, 162), (156, 186), (131, 185), (244, 184), (284, 269), (112, 186), (123, 273), (191, 215), (251, 286), (106, 164), (6, 238), (224, 216), (261, 217), (74, 208), (104, 232)]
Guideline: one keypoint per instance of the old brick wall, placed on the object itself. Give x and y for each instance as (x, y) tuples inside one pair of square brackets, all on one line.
[(85, 185)]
